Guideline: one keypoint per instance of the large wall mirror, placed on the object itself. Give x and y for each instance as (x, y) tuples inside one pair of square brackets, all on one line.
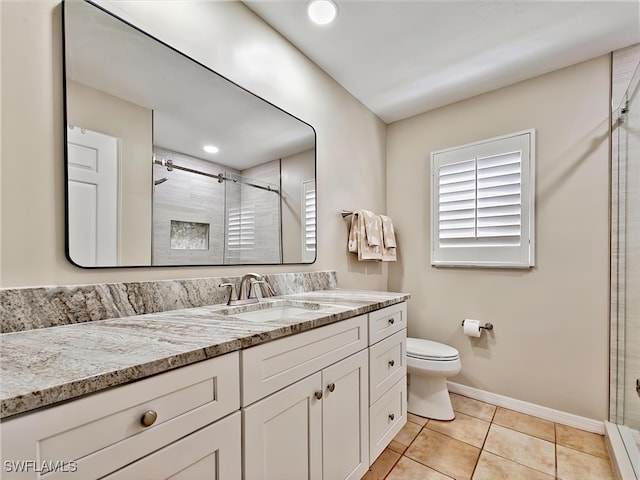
[(169, 163)]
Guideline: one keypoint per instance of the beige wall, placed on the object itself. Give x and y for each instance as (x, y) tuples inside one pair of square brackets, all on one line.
[(296, 169), (233, 41), (549, 345), (132, 125)]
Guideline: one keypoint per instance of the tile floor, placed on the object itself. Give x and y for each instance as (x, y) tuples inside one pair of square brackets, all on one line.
[(485, 442)]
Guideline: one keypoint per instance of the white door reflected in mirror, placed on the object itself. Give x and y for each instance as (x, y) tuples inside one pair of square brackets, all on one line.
[(93, 197)]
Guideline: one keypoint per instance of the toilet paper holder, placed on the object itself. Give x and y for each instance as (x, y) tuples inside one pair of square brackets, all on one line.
[(486, 326)]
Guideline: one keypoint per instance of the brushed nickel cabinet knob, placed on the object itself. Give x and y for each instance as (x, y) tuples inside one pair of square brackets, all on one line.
[(331, 387), (148, 418), (392, 363), (391, 416), (391, 321), (319, 394)]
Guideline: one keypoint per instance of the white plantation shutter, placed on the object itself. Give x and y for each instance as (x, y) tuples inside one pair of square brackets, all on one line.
[(482, 203), (457, 203), (242, 227), (309, 228), (499, 208)]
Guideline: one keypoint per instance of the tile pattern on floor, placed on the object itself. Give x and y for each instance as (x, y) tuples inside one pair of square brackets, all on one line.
[(485, 442)]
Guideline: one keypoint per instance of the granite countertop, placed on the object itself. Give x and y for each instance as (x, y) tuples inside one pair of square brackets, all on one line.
[(49, 365)]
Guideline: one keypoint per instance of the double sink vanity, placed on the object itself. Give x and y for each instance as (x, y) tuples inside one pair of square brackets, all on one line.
[(303, 385)]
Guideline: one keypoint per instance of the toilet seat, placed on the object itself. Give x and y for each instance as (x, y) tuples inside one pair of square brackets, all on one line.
[(429, 350)]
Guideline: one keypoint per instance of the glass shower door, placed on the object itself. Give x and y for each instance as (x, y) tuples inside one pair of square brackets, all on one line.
[(625, 405)]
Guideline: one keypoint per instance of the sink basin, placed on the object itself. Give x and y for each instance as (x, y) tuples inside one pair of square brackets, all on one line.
[(280, 310)]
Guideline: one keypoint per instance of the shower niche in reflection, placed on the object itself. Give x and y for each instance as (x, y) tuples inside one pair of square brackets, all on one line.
[(171, 202)]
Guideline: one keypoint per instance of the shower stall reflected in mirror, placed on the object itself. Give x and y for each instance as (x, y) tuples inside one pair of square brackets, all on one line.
[(624, 404), (205, 213)]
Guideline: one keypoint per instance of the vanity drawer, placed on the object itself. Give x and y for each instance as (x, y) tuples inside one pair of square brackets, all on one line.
[(100, 431), (271, 366), (387, 364), (387, 321), (213, 453), (386, 418)]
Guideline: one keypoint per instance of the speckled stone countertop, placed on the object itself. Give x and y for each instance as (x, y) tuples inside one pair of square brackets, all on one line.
[(44, 366)]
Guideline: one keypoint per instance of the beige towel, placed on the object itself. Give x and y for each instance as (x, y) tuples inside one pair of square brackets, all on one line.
[(373, 228), (388, 240), (365, 235)]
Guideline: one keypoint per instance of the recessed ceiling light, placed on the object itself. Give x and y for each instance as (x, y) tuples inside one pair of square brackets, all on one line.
[(211, 149), (322, 12)]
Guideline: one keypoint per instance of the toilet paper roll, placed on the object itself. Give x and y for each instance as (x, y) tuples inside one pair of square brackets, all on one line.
[(471, 328)]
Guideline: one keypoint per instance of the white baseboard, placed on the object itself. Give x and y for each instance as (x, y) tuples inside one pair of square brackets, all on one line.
[(539, 411)]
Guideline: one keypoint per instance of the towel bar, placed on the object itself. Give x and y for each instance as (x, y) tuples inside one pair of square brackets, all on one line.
[(345, 213)]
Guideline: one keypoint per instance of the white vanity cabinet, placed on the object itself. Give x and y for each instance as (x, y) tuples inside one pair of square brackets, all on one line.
[(319, 405), (166, 426), (316, 427), (387, 375)]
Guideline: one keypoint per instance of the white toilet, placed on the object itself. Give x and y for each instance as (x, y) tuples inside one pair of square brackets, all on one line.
[(429, 364)]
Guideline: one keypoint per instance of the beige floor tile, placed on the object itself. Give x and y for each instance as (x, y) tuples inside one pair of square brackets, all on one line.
[(575, 465), (521, 422), (417, 419), (407, 469), (493, 467), (444, 454), (382, 466), (407, 434), (521, 448), (472, 407), (464, 427), (586, 442), (397, 447)]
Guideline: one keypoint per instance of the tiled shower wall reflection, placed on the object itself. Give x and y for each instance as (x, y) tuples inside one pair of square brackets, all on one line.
[(261, 243), (188, 198), (192, 214)]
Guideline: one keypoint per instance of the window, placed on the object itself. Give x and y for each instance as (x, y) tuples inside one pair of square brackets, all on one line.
[(482, 203), (309, 221), (241, 231)]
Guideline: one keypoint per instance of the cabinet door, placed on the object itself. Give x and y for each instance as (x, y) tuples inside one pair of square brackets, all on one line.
[(283, 434), (345, 418), (212, 453)]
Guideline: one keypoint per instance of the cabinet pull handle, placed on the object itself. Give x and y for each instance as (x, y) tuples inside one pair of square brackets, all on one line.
[(392, 363), (331, 387), (391, 321), (148, 418), (319, 394), (391, 416)]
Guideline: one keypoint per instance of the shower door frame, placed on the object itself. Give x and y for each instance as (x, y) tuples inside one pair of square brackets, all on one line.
[(625, 79)]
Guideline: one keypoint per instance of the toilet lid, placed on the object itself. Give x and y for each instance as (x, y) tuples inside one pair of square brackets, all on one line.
[(429, 350)]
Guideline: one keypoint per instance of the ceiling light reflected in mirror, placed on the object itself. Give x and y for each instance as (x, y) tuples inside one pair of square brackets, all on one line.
[(322, 12), (211, 149)]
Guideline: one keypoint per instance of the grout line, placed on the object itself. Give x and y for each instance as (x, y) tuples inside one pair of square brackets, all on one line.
[(555, 446), (394, 465)]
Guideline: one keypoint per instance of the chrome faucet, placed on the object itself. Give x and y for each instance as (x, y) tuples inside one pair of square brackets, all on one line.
[(246, 284), (249, 282)]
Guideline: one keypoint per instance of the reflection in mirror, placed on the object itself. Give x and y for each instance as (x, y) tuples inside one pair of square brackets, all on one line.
[(143, 190)]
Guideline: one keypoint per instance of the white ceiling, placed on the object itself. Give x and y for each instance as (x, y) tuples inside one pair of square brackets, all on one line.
[(191, 105), (401, 58)]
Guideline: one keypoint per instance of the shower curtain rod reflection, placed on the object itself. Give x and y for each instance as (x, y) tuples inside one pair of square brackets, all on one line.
[(164, 162)]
